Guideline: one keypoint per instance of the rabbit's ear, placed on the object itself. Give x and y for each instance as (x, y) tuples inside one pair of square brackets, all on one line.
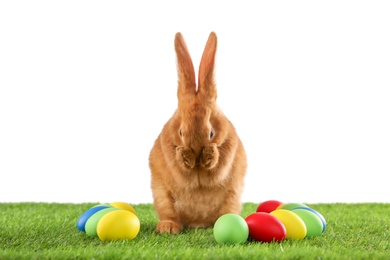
[(206, 83), (185, 69)]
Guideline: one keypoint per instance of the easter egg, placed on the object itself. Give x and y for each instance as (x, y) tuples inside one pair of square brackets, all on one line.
[(231, 228), (312, 221), (318, 214), (118, 225), (92, 222), (268, 206), (104, 204), (124, 206), (290, 206), (295, 227), (265, 227), (86, 215)]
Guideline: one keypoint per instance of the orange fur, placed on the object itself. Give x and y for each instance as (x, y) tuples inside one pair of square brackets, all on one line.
[(198, 163)]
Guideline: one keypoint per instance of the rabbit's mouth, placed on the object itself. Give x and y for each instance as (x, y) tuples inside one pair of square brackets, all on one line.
[(197, 162)]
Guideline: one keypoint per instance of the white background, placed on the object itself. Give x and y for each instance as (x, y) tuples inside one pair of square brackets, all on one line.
[(86, 87)]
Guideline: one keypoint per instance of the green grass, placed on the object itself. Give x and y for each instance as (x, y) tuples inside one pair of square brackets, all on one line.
[(48, 231)]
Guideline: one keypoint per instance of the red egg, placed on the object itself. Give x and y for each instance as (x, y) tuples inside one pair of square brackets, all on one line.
[(264, 227), (268, 206)]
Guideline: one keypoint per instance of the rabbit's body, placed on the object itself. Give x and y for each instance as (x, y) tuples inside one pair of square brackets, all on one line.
[(198, 162)]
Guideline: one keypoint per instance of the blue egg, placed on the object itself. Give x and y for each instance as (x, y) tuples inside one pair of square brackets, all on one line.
[(318, 214), (86, 215)]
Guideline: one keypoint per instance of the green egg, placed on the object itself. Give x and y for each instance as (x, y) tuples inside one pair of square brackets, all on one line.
[(231, 229), (313, 223), (290, 206), (104, 204), (92, 222)]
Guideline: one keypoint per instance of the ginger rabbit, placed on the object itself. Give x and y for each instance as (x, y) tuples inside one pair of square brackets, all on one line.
[(198, 162)]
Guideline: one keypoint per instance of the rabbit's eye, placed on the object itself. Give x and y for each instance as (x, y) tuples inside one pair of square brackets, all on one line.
[(211, 133), (180, 133)]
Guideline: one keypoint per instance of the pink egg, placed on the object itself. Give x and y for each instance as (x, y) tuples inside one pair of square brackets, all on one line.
[(268, 206), (264, 227)]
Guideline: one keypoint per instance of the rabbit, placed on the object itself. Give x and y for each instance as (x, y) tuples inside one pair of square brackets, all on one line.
[(198, 162)]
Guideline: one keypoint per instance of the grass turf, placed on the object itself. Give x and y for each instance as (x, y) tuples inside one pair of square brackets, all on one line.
[(48, 231)]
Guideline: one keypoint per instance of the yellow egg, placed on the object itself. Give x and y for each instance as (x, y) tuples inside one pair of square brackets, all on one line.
[(124, 206), (295, 227), (118, 225)]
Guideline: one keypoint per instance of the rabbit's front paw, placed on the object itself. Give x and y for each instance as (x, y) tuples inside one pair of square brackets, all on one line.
[(185, 156), (167, 226), (209, 157)]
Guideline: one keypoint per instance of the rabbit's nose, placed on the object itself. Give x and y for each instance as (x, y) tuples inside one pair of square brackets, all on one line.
[(195, 149)]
